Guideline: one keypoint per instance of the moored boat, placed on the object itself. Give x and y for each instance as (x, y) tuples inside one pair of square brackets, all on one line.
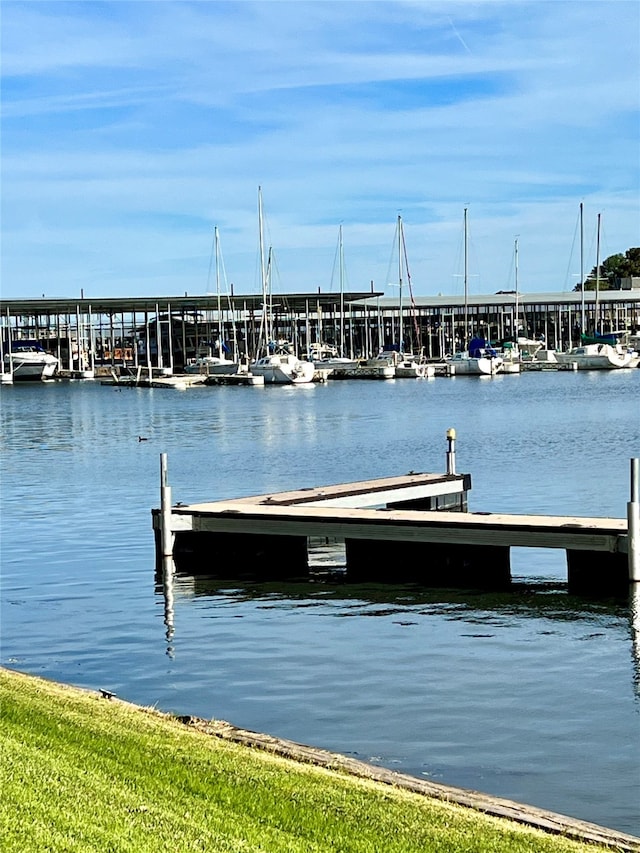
[(479, 359), (212, 365), (326, 357), (598, 356), (278, 364), (405, 365), (283, 368), (29, 361)]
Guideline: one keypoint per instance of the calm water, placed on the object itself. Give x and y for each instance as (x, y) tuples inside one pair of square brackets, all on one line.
[(533, 695)]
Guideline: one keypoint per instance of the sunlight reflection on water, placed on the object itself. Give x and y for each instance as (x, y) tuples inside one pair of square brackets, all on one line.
[(529, 696)]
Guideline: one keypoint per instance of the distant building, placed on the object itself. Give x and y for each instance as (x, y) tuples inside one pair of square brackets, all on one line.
[(631, 283)]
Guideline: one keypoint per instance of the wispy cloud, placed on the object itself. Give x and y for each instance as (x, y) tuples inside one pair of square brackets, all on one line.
[(131, 128)]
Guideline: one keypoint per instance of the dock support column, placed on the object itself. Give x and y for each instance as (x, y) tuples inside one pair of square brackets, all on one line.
[(633, 518), (451, 451), (166, 533)]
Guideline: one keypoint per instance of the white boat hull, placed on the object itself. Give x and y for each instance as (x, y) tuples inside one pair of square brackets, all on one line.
[(283, 370), (414, 370), (30, 366), (595, 357), (462, 364), (336, 363), (212, 366), (366, 370)]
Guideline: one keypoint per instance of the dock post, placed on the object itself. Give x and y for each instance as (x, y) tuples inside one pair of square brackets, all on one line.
[(451, 451), (633, 519), (166, 534)]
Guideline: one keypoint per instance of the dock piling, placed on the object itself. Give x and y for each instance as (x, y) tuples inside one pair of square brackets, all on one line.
[(166, 533), (451, 451), (633, 519)]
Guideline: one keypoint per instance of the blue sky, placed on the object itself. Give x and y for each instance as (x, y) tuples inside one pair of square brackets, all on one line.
[(131, 129)]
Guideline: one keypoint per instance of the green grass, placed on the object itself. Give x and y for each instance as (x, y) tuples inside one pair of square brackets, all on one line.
[(80, 773)]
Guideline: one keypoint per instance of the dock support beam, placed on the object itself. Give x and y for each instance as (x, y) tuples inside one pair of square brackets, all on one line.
[(633, 519), (242, 556), (166, 533), (451, 566)]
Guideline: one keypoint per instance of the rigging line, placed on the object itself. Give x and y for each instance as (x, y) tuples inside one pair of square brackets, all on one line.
[(211, 257), (412, 300), (336, 261), (573, 243)]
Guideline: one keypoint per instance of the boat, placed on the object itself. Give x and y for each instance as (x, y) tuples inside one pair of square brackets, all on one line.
[(479, 358), (327, 357), (279, 365), (597, 351), (404, 365), (393, 360), (541, 359), (28, 360), (213, 365), (366, 370), (512, 351), (413, 368), (598, 356), (214, 360), (324, 356), (511, 358), (282, 367)]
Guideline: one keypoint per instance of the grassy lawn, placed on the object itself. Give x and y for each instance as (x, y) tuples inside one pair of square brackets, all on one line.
[(81, 773)]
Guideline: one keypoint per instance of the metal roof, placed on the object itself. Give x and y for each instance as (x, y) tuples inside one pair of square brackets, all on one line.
[(295, 302), (298, 303)]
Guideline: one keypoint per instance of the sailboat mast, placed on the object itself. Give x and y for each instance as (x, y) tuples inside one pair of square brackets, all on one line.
[(515, 330), (400, 323), (466, 284), (341, 263), (582, 312), (270, 292), (217, 252), (263, 276), (597, 317)]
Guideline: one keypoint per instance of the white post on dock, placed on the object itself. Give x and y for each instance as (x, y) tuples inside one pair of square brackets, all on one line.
[(633, 518), (451, 451), (166, 533)]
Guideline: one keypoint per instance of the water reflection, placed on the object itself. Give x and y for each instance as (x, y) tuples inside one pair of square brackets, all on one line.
[(168, 575), (634, 620), (548, 600)]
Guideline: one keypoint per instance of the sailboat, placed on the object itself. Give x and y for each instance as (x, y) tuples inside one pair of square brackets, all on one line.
[(594, 354), (402, 363), (511, 354), (215, 361), (477, 358), (277, 364), (327, 357)]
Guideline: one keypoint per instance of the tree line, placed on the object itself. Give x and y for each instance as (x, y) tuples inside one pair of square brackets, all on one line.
[(612, 270)]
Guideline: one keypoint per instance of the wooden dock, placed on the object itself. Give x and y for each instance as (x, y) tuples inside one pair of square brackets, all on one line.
[(412, 528)]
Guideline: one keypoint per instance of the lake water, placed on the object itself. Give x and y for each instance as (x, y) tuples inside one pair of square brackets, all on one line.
[(531, 695)]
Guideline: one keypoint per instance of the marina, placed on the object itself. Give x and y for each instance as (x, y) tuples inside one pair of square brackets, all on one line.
[(367, 334), (529, 693)]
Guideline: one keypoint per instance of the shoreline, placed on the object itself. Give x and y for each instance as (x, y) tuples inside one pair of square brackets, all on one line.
[(530, 816)]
